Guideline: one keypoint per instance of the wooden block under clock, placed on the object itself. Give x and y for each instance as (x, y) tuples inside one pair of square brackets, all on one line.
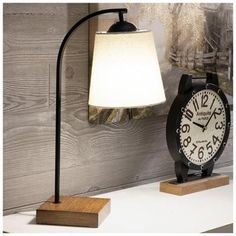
[(74, 211), (194, 184)]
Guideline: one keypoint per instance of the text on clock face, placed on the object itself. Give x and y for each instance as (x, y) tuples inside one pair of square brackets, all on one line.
[(202, 126)]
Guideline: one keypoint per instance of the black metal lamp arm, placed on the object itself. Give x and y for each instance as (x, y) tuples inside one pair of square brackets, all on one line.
[(120, 11)]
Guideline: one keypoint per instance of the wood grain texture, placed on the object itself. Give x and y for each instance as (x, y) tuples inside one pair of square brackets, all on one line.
[(194, 186), (95, 158), (74, 211), (32, 35)]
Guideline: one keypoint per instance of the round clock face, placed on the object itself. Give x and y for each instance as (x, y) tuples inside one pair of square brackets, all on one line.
[(202, 126)]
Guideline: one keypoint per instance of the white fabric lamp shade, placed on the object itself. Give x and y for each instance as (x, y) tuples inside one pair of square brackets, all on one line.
[(125, 71)]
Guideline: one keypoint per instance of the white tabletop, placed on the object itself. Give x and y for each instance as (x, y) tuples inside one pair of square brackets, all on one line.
[(144, 209)]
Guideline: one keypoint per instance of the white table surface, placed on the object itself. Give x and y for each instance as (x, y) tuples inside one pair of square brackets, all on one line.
[(144, 209)]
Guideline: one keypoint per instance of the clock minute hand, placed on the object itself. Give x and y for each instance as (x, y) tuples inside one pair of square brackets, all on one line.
[(199, 125), (209, 119)]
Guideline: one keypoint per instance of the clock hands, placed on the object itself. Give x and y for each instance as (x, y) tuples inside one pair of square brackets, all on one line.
[(199, 125), (204, 126)]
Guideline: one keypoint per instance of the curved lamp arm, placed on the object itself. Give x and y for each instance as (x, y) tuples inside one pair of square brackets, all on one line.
[(120, 11)]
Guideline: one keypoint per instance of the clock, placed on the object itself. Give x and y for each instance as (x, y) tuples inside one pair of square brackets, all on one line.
[(198, 125)]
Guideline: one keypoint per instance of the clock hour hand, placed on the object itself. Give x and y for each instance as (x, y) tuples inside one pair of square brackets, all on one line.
[(199, 125)]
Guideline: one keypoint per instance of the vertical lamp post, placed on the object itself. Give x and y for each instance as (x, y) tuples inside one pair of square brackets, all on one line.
[(125, 74)]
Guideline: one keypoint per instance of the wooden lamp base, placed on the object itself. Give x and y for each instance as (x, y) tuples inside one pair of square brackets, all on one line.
[(74, 211), (195, 184)]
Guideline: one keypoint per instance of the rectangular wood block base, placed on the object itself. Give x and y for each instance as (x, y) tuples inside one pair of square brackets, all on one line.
[(74, 211), (194, 185)]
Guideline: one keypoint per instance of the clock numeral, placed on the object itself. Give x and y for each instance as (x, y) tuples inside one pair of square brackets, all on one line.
[(212, 103), (201, 152), (187, 141), (204, 100), (195, 104), (209, 147), (215, 139), (219, 125), (217, 113), (185, 128), (188, 114), (192, 151)]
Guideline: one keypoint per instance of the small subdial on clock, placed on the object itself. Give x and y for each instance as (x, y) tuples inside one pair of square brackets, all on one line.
[(202, 126)]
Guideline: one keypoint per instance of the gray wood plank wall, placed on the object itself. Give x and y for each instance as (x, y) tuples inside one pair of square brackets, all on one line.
[(95, 158)]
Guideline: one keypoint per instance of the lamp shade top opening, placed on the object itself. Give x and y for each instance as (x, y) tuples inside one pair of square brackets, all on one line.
[(125, 71)]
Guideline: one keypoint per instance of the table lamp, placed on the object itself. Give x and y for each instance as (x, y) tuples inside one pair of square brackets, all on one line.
[(125, 74)]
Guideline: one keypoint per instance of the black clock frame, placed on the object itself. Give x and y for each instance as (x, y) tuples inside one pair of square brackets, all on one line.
[(185, 93)]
